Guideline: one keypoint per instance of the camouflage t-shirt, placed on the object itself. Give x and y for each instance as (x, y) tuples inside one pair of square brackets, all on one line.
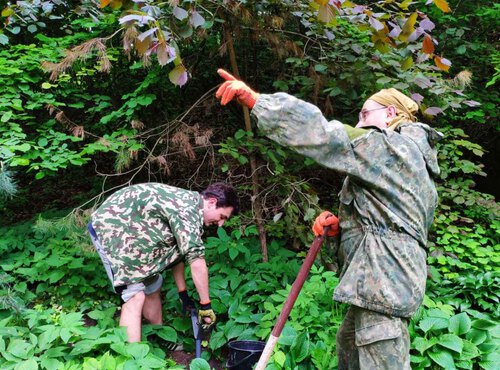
[(148, 227), (387, 201)]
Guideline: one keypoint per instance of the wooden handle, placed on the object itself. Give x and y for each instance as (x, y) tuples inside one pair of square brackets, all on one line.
[(290, 301)]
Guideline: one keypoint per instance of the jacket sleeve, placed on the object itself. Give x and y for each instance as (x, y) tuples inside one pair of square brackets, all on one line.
[(302, 127)]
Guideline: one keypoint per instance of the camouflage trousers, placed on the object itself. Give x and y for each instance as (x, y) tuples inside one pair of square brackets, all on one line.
[(369, 340)]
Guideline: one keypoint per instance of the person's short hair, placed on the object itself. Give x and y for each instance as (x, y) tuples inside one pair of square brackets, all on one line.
[(225, 195)]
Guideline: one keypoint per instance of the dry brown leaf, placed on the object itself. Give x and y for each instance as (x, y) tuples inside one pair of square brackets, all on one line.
[(136, 124), (428, 45), (78, 131), (142, 46)]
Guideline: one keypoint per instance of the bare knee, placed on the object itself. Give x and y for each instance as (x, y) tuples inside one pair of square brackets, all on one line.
[(152, 308), (135, 304)]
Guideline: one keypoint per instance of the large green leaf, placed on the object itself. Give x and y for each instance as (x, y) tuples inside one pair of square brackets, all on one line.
[(451, 341), (484, 324), (300, 347), (422, 344), (443, 358), (287, 336), (50, 363), (279, 357), (477, 336), (91, 364), (490, 361), (107, 361), (217, 340), (152, 362), (137, 350), (30, 364), (460, 324), (19, 348), (469, 351), (433, 323), (233, 331), (167, 333), (199, 364)]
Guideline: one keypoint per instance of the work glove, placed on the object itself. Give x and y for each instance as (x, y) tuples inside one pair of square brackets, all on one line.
[(187, 302), (206, 311), (233, 88), (326, 219)]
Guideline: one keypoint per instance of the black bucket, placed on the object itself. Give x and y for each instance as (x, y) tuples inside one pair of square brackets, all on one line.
[(243, 354)]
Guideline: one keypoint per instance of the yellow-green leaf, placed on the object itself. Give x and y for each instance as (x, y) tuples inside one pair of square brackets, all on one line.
[(7, 12), (408, 28), (405, 4), (443, 5), (407, 64), (382, 46), (115, 4)]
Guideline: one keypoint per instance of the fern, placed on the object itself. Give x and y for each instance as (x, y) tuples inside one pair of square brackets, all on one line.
[(8, 186)]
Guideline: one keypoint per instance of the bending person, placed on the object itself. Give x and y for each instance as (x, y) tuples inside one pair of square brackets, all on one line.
[(141, 230)]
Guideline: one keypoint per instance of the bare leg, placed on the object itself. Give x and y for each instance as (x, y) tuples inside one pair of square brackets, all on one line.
[(131, 316), (152, 308)]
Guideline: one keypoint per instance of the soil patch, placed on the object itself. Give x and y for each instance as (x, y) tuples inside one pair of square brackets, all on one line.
[(185, 358)]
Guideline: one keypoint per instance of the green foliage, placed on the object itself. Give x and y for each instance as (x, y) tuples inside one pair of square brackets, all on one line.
[(51, 278), (466, 340), (289, 200), (53, 338), (466, 222), (45, 322), (309, 336), (54, 269)]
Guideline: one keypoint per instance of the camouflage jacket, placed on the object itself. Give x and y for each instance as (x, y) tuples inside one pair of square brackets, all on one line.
[(148, 227), (387, 201)]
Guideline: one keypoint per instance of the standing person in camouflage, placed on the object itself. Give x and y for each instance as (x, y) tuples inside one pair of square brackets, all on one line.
[(141, 230), (387, 204)]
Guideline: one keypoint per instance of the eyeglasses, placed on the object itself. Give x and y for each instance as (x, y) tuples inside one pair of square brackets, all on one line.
[(364, 113)]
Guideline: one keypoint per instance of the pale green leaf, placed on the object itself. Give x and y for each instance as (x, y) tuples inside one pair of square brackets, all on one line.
[(451, 341), (443, 358), (199, 364), (137, 350), (30, 364), (460, 324), (279, 357)]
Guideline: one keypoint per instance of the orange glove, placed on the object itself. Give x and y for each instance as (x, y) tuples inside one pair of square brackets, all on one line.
[(326, 219), (235, 88)]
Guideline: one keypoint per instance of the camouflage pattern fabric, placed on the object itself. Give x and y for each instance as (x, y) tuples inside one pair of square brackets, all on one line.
[(146, 228), (370, 340), (387, 200)]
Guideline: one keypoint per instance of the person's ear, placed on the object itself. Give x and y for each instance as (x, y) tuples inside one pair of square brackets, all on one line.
[(212, 202), (391, 111)]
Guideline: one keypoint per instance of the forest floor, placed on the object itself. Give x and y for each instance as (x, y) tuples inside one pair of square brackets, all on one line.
[(185, 358)]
